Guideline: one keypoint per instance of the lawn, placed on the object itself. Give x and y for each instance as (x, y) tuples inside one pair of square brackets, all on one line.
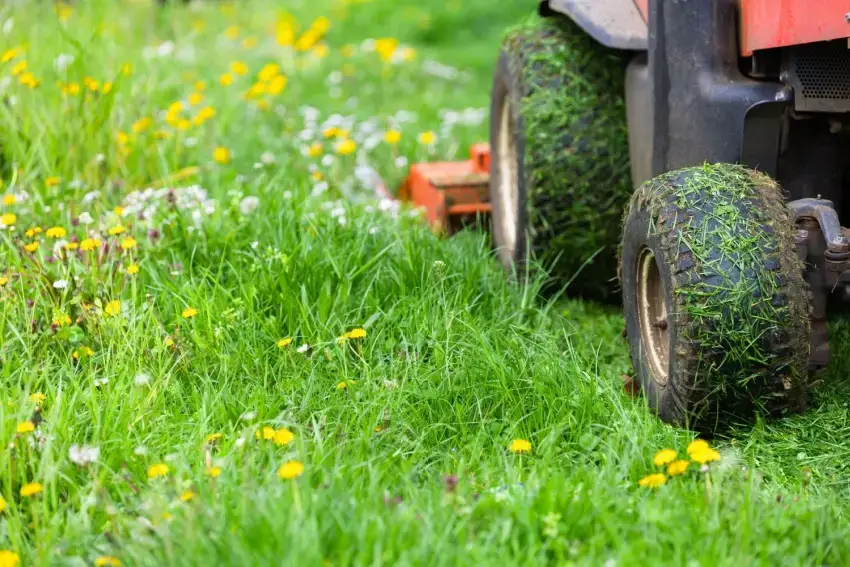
[(219, 348)]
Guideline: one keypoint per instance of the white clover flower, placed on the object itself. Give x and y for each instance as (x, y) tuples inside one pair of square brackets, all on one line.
[(267, 158), (83, 454), (248, 415), (303, 348), (85, 218), (249, 204), (140, 451), (60, 284)]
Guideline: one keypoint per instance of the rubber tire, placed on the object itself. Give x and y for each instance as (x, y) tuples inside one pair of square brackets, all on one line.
[(738, 310), (569, 127)]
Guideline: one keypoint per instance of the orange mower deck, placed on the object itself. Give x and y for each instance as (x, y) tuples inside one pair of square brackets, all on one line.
[(453, 194)]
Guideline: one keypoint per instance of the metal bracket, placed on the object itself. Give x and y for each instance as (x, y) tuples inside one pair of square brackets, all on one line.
[(823, 211)]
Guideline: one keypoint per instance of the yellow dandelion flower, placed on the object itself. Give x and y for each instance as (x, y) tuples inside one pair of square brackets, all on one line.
[(175, 107), (3, 504), (290, 470), (19, 68), (9, 199), (357, 333), (89, 244), (677, 467), (206, 113), (239, 68), (55, 232), (107, 561), (284, 342), (37, 398), (133, 269), (213, 472), (9, 558), (519, 446), (277, 85), (52, 181), (697, 445), (315, 149), (283, 437), (157, 470), (142, 124), (25, 427), (183, 124), (200, 86), (317, 176), (213, 438), (266, 434), (346, 147), (653, 480), (392, 137), (128, 243), (116, 230), (704, 456), (187, 496), (126, 69), (427, 138), (106, 88), (232, 32), (321, 50), (195, 99), (221, 155), (345, 384), (31, 247), (3, 280), (226, 80), (189, 312), (112, 308), (31, 489), (8, 219), (664, 457), (9, 54), (72, 246), (268, 72), (331, 132)]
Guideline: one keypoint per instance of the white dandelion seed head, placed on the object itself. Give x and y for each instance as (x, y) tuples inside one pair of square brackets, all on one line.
[(249, 204), (83, 454), (141, 379)]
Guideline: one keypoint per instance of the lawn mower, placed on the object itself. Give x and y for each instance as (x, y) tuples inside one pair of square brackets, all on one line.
[(691, 157)]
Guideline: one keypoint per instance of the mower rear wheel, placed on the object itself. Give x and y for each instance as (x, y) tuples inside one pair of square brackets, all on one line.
[(559, 155), (716, 307)]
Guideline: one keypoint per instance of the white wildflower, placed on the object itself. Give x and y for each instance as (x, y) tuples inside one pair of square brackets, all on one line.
[(249, 204), (140, 451), (60, 284), (85, 218), (83, 454), (141, 379), (62, 61)]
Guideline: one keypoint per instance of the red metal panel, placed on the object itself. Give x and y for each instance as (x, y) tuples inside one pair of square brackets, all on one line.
[(643, 8), (779, 23)]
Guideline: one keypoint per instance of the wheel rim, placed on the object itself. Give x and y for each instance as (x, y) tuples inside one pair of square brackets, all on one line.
[(652, 316), (508, 187)]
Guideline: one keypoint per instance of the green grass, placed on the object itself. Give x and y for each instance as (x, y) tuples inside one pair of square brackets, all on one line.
[(455, 364)]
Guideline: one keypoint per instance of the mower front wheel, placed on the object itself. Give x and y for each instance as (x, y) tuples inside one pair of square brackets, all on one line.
[(716, 307)]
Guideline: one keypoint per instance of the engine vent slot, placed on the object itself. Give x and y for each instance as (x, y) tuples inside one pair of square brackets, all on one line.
[(819, 73)]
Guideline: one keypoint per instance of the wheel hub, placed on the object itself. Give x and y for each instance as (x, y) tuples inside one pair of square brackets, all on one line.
[(508, 178), (652, 316)]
